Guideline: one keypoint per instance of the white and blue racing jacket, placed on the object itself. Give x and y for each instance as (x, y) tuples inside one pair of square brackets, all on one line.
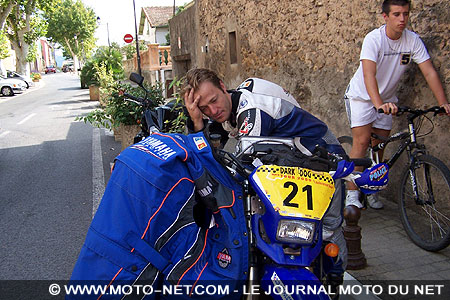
[(263, 108)]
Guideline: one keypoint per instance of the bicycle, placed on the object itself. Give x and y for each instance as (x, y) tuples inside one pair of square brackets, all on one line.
[(423, 201)]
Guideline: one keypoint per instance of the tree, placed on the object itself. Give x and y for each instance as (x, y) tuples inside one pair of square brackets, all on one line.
[(130, 50), (6, 7), (4, 45), (72, 25), (25, 26)]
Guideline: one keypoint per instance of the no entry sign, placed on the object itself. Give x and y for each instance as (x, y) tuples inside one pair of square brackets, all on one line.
[(128, 38)]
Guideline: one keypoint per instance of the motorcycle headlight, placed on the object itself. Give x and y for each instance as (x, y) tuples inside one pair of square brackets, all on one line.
[(295, 231)]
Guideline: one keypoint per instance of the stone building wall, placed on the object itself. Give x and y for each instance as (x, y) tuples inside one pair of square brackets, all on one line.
[(311, 48)]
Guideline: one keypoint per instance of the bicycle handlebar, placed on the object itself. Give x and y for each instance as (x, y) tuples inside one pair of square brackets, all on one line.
[(418, 112)]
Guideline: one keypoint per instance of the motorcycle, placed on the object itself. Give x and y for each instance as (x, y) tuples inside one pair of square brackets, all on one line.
[(284, 206), (265, 202), (287, 195)]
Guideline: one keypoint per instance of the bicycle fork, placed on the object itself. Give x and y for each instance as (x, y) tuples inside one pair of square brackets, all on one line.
[(428, 195)]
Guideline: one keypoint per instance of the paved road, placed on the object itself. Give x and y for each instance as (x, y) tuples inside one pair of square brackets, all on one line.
[(50, 170)]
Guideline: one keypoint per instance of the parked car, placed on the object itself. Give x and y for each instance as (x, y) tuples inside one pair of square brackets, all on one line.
[(68, 68), (50, 69), (9, 86), (14, 75)]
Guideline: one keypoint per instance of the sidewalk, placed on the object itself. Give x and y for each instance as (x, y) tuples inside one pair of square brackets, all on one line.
[(391, 255)]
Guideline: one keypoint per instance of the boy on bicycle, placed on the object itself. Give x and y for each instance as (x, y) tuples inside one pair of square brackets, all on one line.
[(385, 55)]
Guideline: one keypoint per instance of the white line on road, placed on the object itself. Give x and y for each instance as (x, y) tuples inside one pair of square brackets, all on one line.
[(26, 118), (4, 133), (98, 175)]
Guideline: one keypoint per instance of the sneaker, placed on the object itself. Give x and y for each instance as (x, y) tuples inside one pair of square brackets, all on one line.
[(352, 198), (374, 202)]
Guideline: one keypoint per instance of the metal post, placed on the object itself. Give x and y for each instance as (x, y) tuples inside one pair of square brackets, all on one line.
[(137, 41), (352, 234), (107, 29)]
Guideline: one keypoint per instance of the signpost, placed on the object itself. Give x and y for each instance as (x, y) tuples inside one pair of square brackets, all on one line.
[(128, 38)]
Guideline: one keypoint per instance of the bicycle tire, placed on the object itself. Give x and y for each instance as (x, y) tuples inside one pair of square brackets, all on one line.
[(426, 224)]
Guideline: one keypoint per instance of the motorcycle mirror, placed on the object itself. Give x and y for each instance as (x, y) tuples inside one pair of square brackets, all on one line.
[(135, 77)]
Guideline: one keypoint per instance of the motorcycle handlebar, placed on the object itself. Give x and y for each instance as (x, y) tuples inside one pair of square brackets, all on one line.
[(361, 162), (126, 95)]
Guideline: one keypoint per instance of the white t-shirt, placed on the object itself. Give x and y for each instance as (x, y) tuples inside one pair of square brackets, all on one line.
[(392, 58)]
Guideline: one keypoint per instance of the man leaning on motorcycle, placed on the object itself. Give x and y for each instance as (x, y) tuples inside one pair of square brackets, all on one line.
[(261, 108)]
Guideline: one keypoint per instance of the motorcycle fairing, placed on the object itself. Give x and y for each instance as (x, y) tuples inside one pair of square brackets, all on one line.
[(270, 219), (288, 284)]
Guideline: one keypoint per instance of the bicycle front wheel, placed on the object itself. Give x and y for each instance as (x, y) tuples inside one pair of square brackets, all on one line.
[(426, 218)]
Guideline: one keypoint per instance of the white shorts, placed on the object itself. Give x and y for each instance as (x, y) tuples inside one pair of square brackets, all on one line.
[(362, 112)]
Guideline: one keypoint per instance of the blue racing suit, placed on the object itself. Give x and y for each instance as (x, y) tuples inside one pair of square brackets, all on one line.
[(170, 215)]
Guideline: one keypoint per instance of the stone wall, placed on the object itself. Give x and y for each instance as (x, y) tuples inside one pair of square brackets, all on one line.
[(311, 48), (183, 37)]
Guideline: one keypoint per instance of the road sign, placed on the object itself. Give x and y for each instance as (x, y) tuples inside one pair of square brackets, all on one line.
[(128, 38)]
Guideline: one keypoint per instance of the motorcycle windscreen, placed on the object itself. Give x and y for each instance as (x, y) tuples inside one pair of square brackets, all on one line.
[(294, 191)]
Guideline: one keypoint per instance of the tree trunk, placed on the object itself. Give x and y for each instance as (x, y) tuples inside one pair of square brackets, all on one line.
[(22, 67), (2, 68)]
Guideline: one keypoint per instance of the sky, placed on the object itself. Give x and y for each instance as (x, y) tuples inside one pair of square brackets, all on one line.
[(118, 16)]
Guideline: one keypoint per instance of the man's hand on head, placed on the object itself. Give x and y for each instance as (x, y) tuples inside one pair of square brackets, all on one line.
[(192, 107)]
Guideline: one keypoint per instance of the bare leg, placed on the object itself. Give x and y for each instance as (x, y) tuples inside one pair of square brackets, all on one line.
[(383, 133), (361, 139)]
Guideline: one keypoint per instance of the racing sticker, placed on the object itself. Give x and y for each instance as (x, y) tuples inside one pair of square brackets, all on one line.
[(247, 121), (378, 173), (224, 258), (295, 191), (243, 103), (248, 85), (200, 143)]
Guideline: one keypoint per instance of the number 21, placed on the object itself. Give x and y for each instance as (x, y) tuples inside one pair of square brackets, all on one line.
[(293, 193)]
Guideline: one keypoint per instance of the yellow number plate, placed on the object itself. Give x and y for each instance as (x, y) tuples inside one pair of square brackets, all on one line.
[(295, 191)]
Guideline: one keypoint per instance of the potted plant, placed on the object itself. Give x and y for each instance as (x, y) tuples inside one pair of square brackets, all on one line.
[(118, 114), (35, 77)]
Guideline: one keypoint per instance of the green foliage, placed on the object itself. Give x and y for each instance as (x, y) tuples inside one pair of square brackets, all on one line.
[(32, 52), (4, 46), (72, 25), (130, 50), (180, 9), (168, 39), (111, 58), (35, 76), (178, 125), (25, 26), (117, 111), (88, 74)]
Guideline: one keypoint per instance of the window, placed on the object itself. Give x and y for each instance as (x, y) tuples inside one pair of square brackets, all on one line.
[(233, 47)]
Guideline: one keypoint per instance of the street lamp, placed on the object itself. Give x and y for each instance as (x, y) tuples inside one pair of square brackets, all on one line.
[(107, 29)]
